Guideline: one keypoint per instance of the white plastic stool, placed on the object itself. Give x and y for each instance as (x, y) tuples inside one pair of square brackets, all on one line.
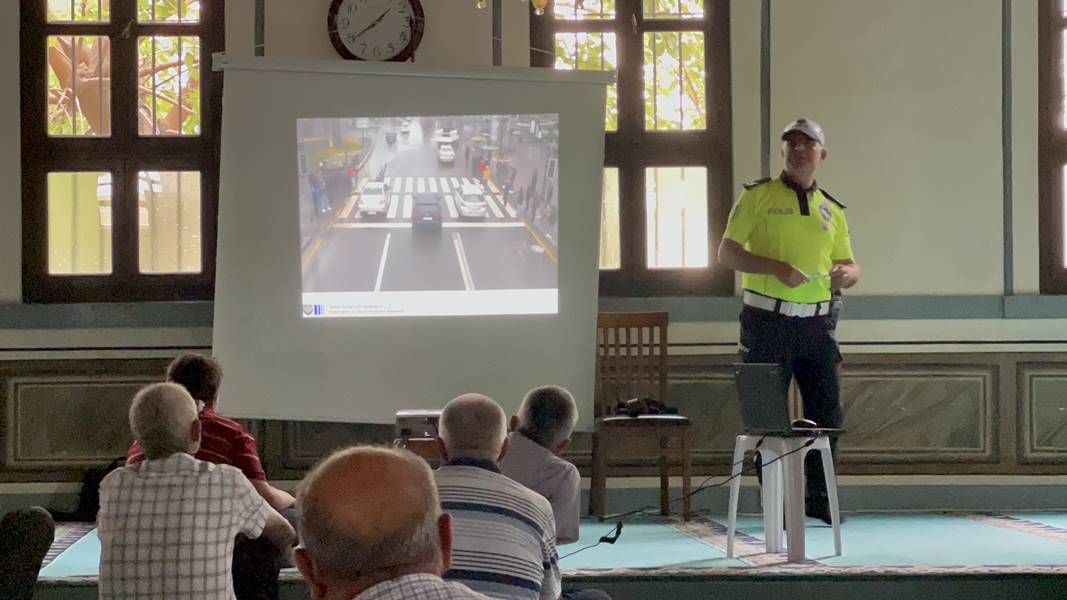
[(783, 490)]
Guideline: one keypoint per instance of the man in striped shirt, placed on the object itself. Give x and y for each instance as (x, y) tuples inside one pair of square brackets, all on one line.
[(504, 534)]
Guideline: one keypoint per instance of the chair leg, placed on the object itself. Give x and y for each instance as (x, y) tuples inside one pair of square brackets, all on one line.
[(831, 492), (598, 483), (735, 490), (687, 467), (664, 486)]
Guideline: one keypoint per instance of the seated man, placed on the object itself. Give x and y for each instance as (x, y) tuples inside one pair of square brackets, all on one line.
[(373, 529), (167, 525), (27, 535), (226, 442), (540, 433), (504, 535)]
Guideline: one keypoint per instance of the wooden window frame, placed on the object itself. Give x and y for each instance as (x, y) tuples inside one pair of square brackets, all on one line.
[(633, 149), (1052, 147), (124, 153)]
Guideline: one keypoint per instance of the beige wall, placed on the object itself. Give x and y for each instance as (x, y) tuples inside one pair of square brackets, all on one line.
[(909, 92), (10, 167), (456, 32)]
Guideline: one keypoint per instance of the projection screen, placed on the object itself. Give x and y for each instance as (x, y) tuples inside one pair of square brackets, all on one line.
[(391, 236)]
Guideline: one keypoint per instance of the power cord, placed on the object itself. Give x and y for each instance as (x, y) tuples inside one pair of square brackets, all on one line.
[(705, 486), (612, 536)]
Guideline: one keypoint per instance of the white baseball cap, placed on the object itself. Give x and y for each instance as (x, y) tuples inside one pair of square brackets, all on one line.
[(807, 127)]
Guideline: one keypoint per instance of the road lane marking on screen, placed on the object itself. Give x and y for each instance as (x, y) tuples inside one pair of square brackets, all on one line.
[(346, 213), (381, 264), (394, 206), (444, 185), (468, 181), (450, 202), (548, 251), (464, 268), (492, 206), (407, 206), (433, 184), (456, 183), (395, 187), (409, 185), (446, 225), (420, 185), (492, 187), (511, 211), (362, 182)]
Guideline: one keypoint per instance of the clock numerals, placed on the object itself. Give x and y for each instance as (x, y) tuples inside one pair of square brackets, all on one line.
[(376, 29)]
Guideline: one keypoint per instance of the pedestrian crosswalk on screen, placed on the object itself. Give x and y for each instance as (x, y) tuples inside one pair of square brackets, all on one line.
[(428, 215)]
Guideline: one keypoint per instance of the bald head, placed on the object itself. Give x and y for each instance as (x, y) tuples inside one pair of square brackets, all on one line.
[(473, 426), (368, 510), (163, 419)]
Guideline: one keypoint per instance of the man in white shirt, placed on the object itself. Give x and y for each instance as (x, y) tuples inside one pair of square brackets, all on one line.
[(540, 433), (372, 529), (167, 525)]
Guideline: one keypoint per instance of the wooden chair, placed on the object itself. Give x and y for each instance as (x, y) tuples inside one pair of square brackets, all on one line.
[(631, 362)]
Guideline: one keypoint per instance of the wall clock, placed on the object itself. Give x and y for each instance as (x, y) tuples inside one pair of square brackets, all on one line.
[(376, 29)]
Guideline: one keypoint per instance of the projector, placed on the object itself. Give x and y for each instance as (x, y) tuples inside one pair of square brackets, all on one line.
[(417, 423)]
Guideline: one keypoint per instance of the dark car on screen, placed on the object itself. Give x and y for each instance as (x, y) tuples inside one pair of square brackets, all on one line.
[(426, 214)]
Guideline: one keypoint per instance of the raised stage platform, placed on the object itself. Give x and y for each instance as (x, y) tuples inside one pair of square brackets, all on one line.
[(886, 555)]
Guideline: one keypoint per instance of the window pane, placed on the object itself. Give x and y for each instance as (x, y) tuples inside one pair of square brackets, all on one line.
[(673, 9), (676, 208), (79, 223), (169, 96), (79, 85), (168, 11), (168, 204), (578, 10), (609, 221), (591, 52), (80, 11), (674, 81)]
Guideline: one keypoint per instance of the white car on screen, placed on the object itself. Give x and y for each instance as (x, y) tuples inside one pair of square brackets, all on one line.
[(472, 201), (446, 153), (373, 199)]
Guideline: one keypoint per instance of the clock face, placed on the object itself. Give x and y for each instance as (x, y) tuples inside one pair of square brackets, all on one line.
[(376, 29)]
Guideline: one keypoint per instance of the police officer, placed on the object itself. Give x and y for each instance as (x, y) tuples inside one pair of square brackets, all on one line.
[(790, 240)]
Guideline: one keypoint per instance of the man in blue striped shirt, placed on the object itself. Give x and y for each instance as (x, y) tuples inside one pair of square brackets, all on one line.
[(504, 534)]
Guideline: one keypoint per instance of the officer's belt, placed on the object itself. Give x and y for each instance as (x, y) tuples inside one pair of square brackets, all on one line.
[(783, 307)]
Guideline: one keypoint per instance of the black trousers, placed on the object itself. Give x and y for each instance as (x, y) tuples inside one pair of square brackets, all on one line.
[(256, 563), (806, 349)]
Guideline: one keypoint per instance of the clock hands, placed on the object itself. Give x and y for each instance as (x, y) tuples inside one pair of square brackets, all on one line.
[(374, 23)]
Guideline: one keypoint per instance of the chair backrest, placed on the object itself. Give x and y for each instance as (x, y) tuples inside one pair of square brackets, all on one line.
[(631, 359)]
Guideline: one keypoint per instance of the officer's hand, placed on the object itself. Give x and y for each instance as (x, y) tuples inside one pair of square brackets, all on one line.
[(790, 275), (843, 276)]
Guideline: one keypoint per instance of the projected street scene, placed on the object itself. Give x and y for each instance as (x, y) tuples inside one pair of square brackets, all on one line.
[(429, 215)]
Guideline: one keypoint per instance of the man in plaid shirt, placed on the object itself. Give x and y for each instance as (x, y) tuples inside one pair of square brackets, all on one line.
[(167, 525), (371, 528)]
